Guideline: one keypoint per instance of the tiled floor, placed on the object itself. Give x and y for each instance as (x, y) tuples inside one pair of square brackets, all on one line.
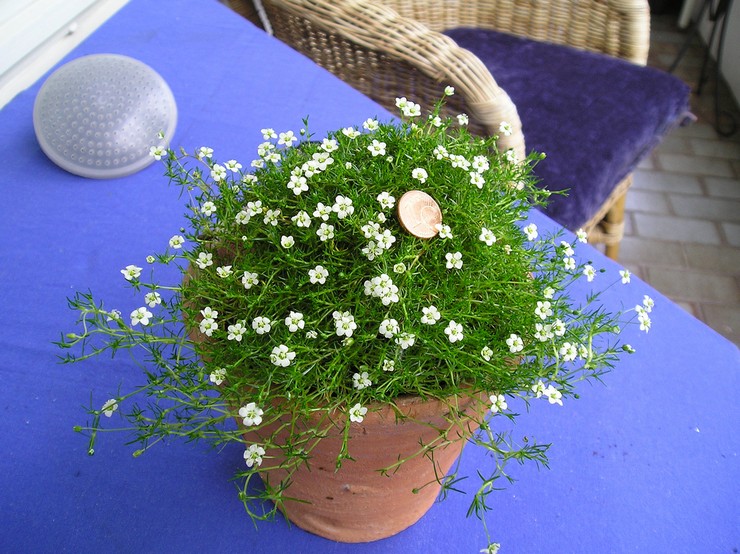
[(683, 220)]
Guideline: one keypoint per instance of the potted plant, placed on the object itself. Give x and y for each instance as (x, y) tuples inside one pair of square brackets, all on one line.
[(382, 283)]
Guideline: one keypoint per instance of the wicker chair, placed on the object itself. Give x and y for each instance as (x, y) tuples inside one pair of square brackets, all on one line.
[(396, 48)]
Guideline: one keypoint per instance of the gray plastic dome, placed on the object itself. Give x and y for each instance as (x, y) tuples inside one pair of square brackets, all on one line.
[(98, 116)]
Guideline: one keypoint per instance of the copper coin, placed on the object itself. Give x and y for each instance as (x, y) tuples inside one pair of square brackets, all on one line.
[(419, 214)]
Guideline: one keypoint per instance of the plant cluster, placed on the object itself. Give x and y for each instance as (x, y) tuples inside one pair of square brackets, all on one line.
[(300, 291)]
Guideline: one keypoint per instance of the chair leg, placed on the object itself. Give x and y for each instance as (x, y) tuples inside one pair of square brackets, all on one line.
[(614, 224)]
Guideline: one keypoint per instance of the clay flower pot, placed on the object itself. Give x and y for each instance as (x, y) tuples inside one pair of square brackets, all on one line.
[(358, 502)]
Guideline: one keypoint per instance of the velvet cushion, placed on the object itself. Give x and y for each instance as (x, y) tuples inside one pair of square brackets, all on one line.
[(594, 116)]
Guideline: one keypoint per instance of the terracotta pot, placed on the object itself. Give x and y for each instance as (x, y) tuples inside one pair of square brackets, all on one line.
[(358, 503)]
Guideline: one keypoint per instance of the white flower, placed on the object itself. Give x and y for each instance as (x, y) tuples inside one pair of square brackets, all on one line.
[(454, 261), (548, 293), (311, 334), (543, 309), (208, 312), (204, 152), (361, 380), (481, 164), (177, 241), (249, 280), (454, 331), (301, 219), (131, 272), (268, 133), (318, 275), (463, 119), (261, 325), (157, 152), (287, 138), (218, 376), (492, 548), (113, 315), (505, 128), (350, 132), (254, 208), (405, 340), (233, 166), (224, 271), (511, 156), (344, 323), (298, 184), (109, 407), (386, 200), (449, 91), (568, 351), (440, 152), (140, 315), (498, 403), (486, 353), (648, 303), (515, 343), (207, 326), (643, 318), (589, 272), (487, 236), (567, 248), (253, 455), (322, 211), (271, 217), (553, 395), (444, 230), (382, 287), (625, 275), (531, 231), (458, 160), (388, 328), (582, 236), (329, 145), (419, 174), (370, 124), (325, 232), (389, 365), (343, 206), (543, 332), (236, 331), (400, 267), (558, 327), (357, 413), (204, 260), (251, 414), (477, 179), (377, 148), (294, 321), (569, 263), (287, 241), (218, 173), (282, 356), (435, 120), (430, 315), (152, 299), (539, 388)]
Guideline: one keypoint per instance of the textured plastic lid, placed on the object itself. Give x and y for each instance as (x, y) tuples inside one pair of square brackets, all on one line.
[(98, 116)]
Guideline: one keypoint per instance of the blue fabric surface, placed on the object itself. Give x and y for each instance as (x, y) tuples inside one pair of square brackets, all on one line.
[(594, 116), (647, 463)]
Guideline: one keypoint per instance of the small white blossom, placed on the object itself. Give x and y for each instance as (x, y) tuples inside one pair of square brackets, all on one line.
[(440, 152), (625, 275), (370, 124), (543, 309), (204, 260), (218, 376), (209, 312), (567, 248), (487, 236), (249, 280), (481, 164), (505, 128), (253, 455), (294, 321), (377, 148), (343, 207), (357, 413), (454, 261), (648, 303), (582, 236), (208, 325), (589, 272), (261, 325), (388, 328), (157, 152), (251, 414), (543, 332), (301, 219), (236, 331), (449, 91), (454, 331), (386, 201), (318, 275), (400, 267), (329, 145), (553, 395), (325, 232), (254, 208), (463, 119), (311, 334), (486, 353), (109, 406), (405, 340), (361, 380), (298, 184), (548, 293), (243, 217), (531, 231), (204, 152), (218, 173), (419, 174), (282, 356), (287, 138), (322, 211), (177, 241), (287, 241), (515, 343), (445, 232), (350, 132), (539, 388), (271, 217), (344, 323), (568, 351), (430, 315), (558, 327), (389, 365), (511, 156), (569, 263), (140, 315), (224, 271), (498, 403), (152, 299), (233, 166), (458, 160), (477, 179), (268, 133), (131, 272)]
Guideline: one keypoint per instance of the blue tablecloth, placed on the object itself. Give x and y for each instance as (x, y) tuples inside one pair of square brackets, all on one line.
[(646, 463)]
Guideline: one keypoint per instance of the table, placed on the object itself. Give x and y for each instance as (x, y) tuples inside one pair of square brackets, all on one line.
[(646, 463)]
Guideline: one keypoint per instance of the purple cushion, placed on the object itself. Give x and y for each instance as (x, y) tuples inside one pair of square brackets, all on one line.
[(593, 115)]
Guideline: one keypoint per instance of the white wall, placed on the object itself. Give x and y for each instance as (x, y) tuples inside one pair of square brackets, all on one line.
[(36, 34)]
